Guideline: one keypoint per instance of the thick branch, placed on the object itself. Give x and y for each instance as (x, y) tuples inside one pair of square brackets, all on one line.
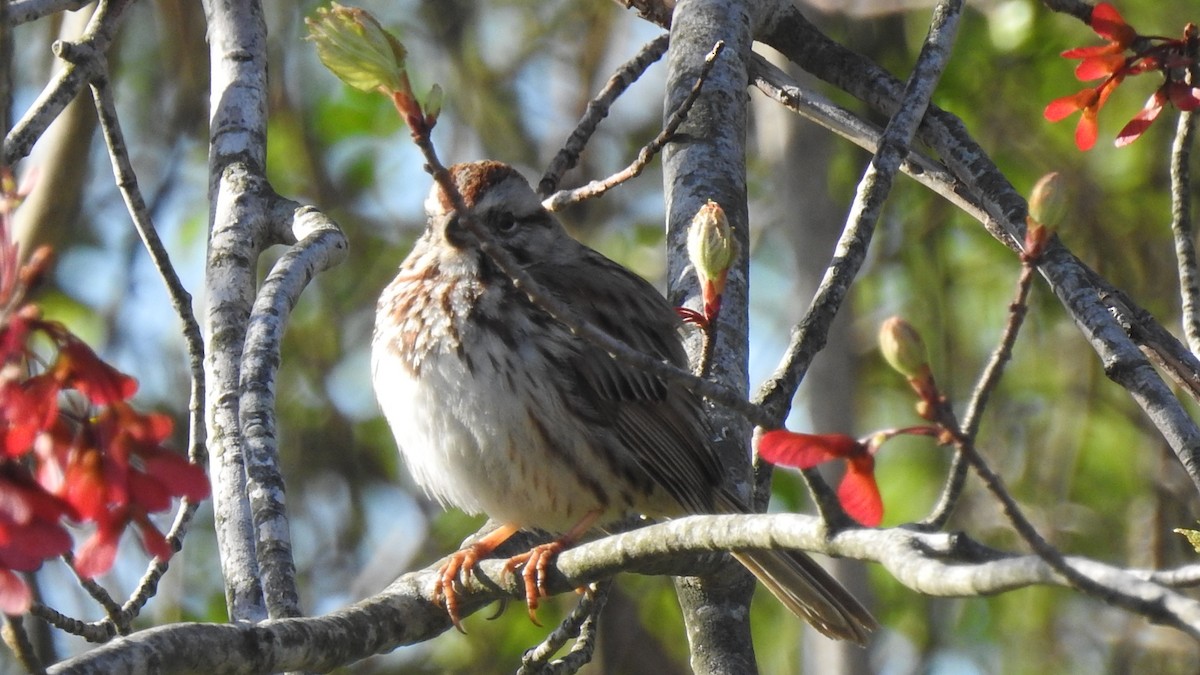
[(239, 231), (238, 217), (938, 564), (707, 160)]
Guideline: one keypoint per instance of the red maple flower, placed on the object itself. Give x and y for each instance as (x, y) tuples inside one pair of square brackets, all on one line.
[(1088, 101), (858, 491), (30, 532), (77, 367), (87, 457), (1104, 60), (1172, 57), (114, 471)]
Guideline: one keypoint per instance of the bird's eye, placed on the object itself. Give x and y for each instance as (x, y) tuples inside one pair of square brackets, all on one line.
[(505, 222)]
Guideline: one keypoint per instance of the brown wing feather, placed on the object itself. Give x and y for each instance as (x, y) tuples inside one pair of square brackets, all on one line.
[(661, 424)]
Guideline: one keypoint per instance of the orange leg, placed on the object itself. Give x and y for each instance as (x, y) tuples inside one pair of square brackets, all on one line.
[(537, 560), (461, 564)]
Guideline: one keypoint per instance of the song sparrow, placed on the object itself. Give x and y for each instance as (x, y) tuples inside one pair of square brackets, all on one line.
[(500, 409)]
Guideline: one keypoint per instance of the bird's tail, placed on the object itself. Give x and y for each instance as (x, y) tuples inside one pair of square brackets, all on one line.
[(805, 588)]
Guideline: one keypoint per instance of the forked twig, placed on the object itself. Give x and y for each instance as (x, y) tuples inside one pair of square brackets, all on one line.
[(564, 198), (580, 625), (944, 416), (597, 110)]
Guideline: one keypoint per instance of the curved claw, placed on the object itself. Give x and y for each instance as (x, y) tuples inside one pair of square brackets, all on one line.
[(534, 563), (459, 567)]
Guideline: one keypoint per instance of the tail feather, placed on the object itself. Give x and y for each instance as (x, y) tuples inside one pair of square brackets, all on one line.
[(805, 588)]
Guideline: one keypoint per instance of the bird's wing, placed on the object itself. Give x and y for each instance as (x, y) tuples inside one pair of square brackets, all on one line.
[(661, 424)]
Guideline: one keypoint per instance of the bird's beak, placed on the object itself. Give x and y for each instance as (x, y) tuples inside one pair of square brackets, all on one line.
[(455, 231)]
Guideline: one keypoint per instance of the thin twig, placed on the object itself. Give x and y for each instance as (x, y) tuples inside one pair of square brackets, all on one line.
[(579, 625), (18, 641), (806, 102), (988, 381), (97, 631), (597, 110), (1182, 227), (1044, 550), (181, 299), (564, 198), (99, 594), (66, 84), (181, 302), (147, 586)]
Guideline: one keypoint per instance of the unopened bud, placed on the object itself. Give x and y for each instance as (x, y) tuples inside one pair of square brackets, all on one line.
[(712, 249), (1048, 201), (433, 104), (352, 44), (711, 244), (903, 348)]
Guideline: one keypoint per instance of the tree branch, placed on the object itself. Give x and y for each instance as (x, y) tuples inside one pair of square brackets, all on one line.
[(238, 233), (18, 12), (597, 188), (321, 245), (931, 563), (1181, 227), (66, 85), (706, 160), (809, 336)]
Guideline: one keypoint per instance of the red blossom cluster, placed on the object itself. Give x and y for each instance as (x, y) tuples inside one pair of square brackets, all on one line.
[(72, 449), (1175, 58)]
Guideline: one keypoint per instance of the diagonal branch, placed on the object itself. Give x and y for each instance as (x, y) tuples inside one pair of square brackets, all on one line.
[(809, 336), (597, 188)]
